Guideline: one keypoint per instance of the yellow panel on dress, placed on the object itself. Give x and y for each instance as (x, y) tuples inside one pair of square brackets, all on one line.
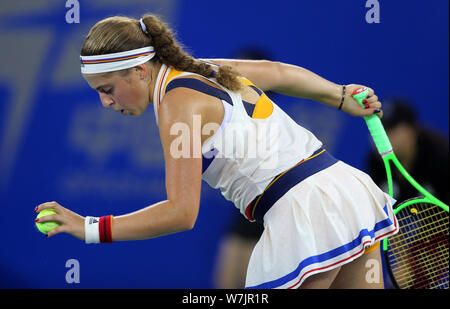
[(263, 107)]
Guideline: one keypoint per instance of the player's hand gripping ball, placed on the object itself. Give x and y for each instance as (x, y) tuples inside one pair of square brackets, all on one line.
[(46, 227)]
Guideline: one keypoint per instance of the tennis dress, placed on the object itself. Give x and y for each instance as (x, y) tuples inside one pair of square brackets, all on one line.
[(318, 212)]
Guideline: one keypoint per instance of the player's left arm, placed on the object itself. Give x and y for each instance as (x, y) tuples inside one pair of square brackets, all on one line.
[(183, 183), (183, 176)]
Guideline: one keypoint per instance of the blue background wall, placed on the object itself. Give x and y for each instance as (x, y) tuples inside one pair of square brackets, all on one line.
[(58, 143)]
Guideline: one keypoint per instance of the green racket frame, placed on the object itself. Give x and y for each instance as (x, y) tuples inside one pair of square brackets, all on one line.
[(384, 147)]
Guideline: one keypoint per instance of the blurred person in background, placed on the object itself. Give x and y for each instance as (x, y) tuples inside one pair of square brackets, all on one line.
[(423, 153)]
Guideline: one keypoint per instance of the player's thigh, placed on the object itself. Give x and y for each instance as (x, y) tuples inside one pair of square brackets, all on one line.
[(321, 280), (366, 272)]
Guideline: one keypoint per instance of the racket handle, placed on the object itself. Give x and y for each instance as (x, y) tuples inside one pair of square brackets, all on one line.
[(374, 124)]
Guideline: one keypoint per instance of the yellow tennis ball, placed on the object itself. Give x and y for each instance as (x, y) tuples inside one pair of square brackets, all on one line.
[(46, 227)]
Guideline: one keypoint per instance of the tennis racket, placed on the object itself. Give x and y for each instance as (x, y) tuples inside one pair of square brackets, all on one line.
[(417, 256)]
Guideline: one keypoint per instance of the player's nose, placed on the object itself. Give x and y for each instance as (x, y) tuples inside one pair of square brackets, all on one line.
[(106, 100)]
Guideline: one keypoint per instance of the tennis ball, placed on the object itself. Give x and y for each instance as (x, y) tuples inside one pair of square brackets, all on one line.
[(46, 227)]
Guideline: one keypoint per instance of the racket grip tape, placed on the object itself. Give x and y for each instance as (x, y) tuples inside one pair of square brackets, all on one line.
[(374, 124)]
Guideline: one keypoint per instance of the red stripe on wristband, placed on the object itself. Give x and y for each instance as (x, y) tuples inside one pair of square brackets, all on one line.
[(105, 229), (108, 229), (101, 229)]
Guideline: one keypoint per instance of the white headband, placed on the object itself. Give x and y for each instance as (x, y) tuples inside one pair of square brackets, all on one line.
[(116, 61)]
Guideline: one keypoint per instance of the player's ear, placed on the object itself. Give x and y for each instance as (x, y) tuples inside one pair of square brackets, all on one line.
[(142, 70)]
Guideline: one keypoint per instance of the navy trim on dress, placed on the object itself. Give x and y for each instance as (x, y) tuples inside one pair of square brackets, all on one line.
[(318, 161), (198, 85)]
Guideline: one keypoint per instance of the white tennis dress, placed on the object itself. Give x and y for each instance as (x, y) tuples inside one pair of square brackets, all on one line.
[(318, 212)]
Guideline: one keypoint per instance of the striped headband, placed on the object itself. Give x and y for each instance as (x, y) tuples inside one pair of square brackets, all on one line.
[(116, 61)]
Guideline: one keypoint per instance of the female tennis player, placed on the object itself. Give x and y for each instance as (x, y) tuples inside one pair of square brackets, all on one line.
[(322, 218)]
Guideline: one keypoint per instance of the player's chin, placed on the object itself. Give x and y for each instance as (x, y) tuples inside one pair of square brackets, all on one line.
[(135, 113)]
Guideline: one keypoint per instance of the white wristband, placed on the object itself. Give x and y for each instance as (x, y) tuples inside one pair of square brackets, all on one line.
[(91, 233)]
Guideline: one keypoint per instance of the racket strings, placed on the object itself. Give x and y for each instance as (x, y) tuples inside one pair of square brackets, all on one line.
[(431, 278), (430, 266), (405, 246), (435, 258), (408, 224), (404, 272), (418, 254)]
